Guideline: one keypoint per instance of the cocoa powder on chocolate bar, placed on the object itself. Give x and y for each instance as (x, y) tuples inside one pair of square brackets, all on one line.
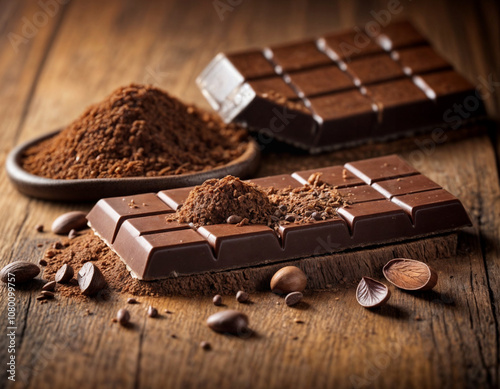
[(218, 201), (137, 131)]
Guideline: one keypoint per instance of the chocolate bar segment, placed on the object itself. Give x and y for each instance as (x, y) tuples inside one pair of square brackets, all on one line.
[(381, 168), (348, 45), (405, 185), (108, 214), (419, 60), (337, 176), (399, 34), (376, 221), (342, 89), (385, 200), (344, 117), (397, 101), (297, 56), (327, 79), (432, 210), (374, 69), (448, 89)]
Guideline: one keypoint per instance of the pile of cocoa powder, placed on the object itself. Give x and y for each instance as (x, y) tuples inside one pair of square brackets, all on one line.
[(230, 200), (137, 131)]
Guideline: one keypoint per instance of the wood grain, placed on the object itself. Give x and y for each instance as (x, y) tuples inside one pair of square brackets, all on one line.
[(445, 338)]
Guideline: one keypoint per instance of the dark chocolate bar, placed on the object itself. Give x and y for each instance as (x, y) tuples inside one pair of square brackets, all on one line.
[(339, 89), (387, 201)]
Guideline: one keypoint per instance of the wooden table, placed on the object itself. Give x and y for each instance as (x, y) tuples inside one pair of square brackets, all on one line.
[(56, 60)]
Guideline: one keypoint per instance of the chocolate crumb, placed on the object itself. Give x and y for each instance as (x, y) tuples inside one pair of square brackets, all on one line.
[(152, 311), (217, 300), (39, 227), (299, 321), (42, 262), (205, 346), (242, 297), (132, 300)]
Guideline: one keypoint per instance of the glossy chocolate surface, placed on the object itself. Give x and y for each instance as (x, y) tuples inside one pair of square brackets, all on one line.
[(340, 89), (386, 200)]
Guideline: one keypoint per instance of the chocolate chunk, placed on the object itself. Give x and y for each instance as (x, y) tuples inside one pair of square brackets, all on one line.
[(233, 219), (152, 311), (217, 300), (293, 298), (230, 321), (242, 297), (90, 279), (64, 274), (50, 286), (123, 317)]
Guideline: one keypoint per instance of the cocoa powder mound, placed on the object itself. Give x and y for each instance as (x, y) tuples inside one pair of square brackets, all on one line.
[(137, 131), (217, 199)]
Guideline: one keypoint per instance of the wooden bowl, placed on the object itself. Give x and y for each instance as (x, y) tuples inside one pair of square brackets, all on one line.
[(95, 188)]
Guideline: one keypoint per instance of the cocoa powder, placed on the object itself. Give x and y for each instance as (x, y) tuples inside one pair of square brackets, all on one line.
[(218, 201), (137, 131), (89, 247)]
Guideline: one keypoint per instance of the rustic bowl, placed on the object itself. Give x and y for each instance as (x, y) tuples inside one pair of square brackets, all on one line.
[(93, 189)]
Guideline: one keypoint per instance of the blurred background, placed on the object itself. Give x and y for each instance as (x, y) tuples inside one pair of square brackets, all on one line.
[(58, 56)]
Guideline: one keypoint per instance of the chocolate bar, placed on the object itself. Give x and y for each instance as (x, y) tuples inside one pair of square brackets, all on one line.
[(387, 200), (339, 89)]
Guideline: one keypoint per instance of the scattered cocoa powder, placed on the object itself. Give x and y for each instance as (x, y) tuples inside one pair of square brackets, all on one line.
[(89, 247), (137, 131), (219, 201)]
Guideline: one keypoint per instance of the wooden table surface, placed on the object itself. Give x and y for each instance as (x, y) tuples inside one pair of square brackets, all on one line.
[(57, 59)]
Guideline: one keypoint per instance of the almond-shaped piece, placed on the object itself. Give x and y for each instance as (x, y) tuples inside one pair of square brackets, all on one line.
[(19, 272), (409, 274), (371, 293), (230, 322), (90, 279), (74, 220)]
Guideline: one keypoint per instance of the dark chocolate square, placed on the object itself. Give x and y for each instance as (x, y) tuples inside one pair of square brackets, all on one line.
[(321, 80), (380, 168), (345, 117), (433, 210), (451, 92), (276, 85), (337, 176), (348, 45), (297, 56), (250, 243), (402, 106), (405, 185), (400, 34), (419, 60), (375, 221), (369, 70), (251, 64), (108, 214)]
